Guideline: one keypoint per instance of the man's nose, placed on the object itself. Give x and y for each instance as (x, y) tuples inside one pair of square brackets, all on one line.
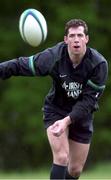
[(76, 39)]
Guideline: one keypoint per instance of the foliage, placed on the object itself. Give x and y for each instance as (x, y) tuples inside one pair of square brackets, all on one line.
[(23, 142)]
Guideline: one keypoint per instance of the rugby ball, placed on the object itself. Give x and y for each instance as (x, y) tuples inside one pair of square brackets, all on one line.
[(33, 27)]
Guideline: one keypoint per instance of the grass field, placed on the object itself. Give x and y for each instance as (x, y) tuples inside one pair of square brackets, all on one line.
[(99, 172)]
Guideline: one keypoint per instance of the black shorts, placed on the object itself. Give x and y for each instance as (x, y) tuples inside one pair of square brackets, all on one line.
[(81, 131)]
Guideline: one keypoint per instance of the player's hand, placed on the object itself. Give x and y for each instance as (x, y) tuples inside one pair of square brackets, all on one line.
[(60, 126)]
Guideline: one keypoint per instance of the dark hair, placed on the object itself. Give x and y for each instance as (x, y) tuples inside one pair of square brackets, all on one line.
[(76, 23)]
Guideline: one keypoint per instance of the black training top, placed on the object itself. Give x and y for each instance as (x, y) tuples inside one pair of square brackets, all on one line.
[(75, 90)]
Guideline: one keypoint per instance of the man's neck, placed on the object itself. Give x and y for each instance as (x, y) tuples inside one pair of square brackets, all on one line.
[(76, 58)]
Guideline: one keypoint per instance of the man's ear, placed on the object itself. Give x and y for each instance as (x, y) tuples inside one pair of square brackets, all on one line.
[(65, 39), (87, 39)]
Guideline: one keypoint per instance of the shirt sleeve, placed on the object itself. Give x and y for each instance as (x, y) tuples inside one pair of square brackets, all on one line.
[(36, 65), (91, 94), (44, 62)]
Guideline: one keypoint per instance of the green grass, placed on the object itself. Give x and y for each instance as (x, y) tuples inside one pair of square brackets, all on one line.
[(102, 172)]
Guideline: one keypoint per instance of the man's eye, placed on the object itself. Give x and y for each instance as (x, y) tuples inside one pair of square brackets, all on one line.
[(71, 35), (80, 35)]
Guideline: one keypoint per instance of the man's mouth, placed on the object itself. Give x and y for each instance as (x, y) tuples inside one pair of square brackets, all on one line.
[(76, 47)]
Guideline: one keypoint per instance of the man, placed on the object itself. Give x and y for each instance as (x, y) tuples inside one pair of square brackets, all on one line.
[(79, 75)]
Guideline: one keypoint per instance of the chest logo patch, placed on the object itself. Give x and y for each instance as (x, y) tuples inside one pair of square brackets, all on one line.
[(73, 89)]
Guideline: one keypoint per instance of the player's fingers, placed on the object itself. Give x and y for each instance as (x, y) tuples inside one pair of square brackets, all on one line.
[(55, 125)]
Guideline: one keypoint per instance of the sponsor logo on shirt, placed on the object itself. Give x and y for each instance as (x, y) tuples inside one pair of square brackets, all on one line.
[(63, 75), (73, 89)]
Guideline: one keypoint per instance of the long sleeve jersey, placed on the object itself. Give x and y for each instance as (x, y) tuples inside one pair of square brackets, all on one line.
[(75, 90)]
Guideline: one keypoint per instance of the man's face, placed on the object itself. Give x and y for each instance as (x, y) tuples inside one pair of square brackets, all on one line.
[(76, 40)]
